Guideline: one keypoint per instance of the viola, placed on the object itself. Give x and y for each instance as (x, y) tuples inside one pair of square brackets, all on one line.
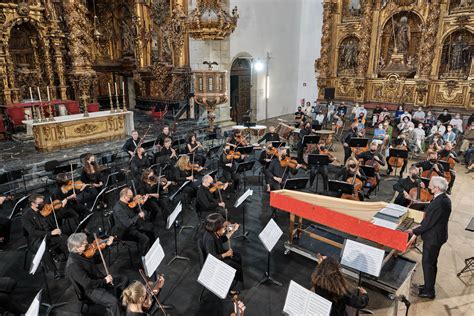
[(217, 186), (233, 155), (137, 200), (397, 162), (92, 248), (50, 207)]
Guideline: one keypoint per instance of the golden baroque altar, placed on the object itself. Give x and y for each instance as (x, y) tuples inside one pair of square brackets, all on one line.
[(398, 51), (75, 130)]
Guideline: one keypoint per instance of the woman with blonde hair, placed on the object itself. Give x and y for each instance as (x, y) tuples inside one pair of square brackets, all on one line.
[(134, 298), (183, 171)]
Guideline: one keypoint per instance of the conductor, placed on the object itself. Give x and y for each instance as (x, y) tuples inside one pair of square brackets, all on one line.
[(434, 232)]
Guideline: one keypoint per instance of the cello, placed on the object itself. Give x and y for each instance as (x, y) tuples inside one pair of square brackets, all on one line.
[(397, 162), (358, 186)]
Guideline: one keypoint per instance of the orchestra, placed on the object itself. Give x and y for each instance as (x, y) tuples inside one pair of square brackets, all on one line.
[(146, 200)]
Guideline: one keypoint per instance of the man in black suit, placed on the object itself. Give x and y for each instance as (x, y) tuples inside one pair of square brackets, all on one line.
[(434, 232)]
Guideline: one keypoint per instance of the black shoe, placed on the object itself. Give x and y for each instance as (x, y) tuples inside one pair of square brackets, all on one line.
[(58, 275), (426, 295)]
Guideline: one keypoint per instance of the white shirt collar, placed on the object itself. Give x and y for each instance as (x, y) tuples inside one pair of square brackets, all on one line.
[(437, 194)]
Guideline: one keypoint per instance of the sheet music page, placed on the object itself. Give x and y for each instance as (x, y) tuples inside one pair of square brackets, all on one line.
[(34, 308), (270, 235), (394, 210), (301, 302), (174, 215), (216, 276), (38, 256), (384, 223), (244, 196), (362, 257), (153, 258)]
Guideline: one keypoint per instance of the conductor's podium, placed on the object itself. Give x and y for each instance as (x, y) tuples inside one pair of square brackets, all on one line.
[(324, 223)]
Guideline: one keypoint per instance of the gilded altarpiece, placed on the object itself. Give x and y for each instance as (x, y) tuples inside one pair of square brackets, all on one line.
[(398, 51)]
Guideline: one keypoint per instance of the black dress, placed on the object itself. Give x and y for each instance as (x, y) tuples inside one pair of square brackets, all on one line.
[(339, 304)]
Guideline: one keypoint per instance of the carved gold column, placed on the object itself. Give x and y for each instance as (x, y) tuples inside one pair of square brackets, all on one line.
[(11, 79), (428, 41), (60, 70), (323, 61), (364, 45), (48, 63), (139, 20), (179, 10), (374, 53), (4, 76)]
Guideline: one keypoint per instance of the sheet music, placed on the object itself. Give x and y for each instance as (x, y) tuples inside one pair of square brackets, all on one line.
[(270, 235), (243, 197), (301, 302), (363, 258), (216, 276), (38, 256), (153, 258), (394, 210), (173, 215), (34, 308), (384, 223)]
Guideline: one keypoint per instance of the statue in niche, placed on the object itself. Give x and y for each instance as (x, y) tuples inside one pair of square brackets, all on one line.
[(128, 37), (459, 54), (402, 35), (381, 64), (354, 7), (349, 54)]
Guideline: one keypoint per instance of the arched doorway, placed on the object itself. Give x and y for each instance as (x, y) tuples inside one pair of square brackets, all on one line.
[(240, 84)]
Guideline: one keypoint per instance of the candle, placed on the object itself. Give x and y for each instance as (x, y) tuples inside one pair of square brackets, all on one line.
[(116, 91), (39, 94), (49, 96), (123, 87), (110, 92), (31, 95)]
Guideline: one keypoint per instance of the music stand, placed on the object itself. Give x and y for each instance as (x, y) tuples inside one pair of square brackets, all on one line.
[(178, 142), (310, 139), (242, 201), (148, 144), (341, 187), (212, 174), (317, 161), (65, 169), (369, 171), (469, 262), (242, 168), (83, 224), (172, 221), (356, 142), (295, 183), (278, 144), (397, 153), (213, 152), (247, 150), (317, 127)]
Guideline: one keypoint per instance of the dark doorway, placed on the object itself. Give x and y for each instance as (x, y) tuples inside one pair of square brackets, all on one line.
[(240, 74)]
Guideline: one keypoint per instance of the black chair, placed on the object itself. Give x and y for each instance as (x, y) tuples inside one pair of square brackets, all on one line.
[(87, 303), (49, 166), (124, 243)]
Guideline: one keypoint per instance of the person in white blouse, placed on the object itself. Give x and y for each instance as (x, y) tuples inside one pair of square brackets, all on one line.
[(457, 123)]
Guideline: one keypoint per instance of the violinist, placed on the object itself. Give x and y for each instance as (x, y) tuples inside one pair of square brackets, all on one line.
[(228, 161), (156, 202), (209, 202), (305, 131), (67, 192), (86, 278), (139, 163), (270, 136), (431, 166), (403, 186), (278, 172), (167, 156), (130, 225), (185, 171), (267, 155), (37, 227), (132, 143), (195, 148), (91, 174), (350, 172), (449, 155), (373, 159), (238, 139), (322, 170), (165, 133), (400, 143), (353, 133), (136, 298)]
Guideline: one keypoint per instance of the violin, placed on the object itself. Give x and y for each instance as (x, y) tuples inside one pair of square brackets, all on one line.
[(153, 288), (233, 155), (74, 185), (217, 186), (50, 207), (272, 151), (358, 186), (397, 162), (238, 311), (93, 247), (287, 162), (241, 140), (193, 166), (137, 200)]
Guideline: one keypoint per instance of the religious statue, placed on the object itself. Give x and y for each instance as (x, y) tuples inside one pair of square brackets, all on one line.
[(349, 55), (381, 64), (402, 35), (459, 52), (354, 7), (128, 37)]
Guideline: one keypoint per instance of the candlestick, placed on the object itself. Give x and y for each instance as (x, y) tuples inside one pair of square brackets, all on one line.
[(116, 97), (123, 97), (50, 107), (112, 110), (42, 115), (47, 91), (31, 95)]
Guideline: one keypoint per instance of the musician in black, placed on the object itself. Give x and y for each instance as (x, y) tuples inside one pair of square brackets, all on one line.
[(431, 164), (305, 131), (183, 171), (92, 175), (167, 156), (299, 117), (320, 149), (399, 143), (165, 133), (212, 243), (37, 227), (403, 186), (434, 232), (139, 163), (266, 156), (238, 139), (130, 225), (276, 174), (228, 163), (132, 143), (156, 201), (88, 281), (372, 158), (209, 202), (72, 207), (353, 133), (270, 136), (444, 154), (194, 147), (7, 303), (350, 171)]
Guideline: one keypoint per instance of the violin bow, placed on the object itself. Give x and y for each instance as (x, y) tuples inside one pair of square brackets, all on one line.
[(140, 143), (150, 290), (158, 182), (72, 177), (101, 256), (135, 192), (54, 213)]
